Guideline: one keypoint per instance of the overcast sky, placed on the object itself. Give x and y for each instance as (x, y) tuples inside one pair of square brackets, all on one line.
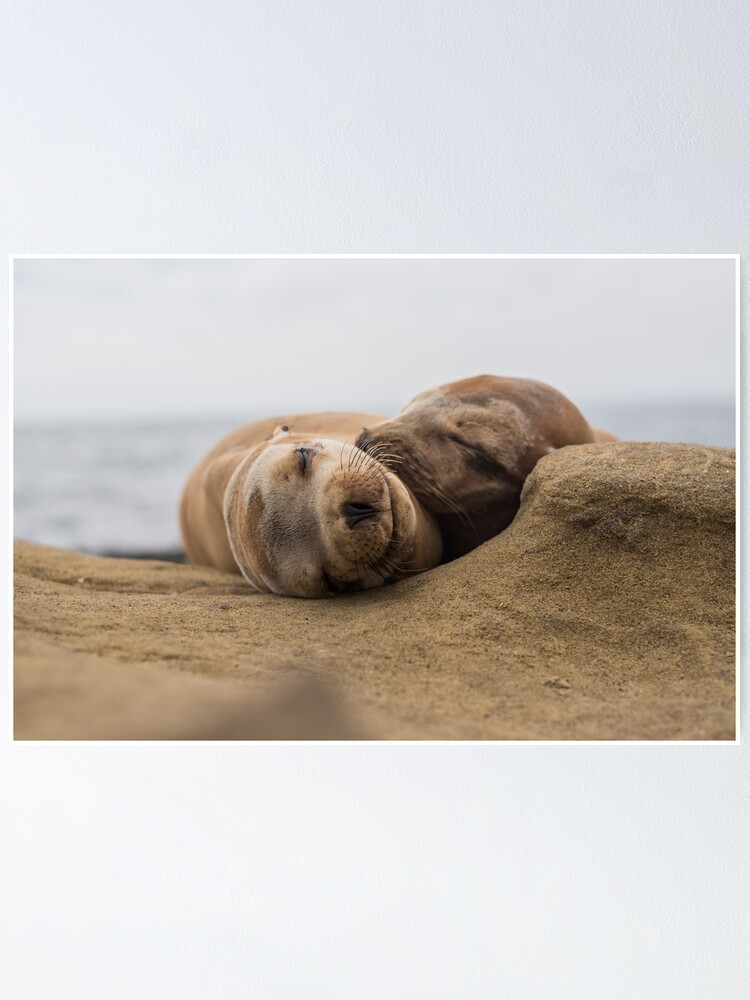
[(114, 338)]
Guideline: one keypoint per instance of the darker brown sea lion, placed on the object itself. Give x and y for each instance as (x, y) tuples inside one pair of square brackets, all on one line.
[(465, 449), (300, 511)]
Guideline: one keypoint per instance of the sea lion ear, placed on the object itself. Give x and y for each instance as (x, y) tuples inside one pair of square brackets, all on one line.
[(281, 430)]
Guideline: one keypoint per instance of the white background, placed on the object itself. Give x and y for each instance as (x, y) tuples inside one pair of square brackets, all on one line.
[(398, 871)]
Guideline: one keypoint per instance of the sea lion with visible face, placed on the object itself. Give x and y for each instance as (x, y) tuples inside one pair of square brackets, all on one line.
[(465, 449), (299, 511)]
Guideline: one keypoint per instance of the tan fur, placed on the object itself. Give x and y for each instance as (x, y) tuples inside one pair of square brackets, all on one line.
[(250, 506), (466, 448), (440, 478)]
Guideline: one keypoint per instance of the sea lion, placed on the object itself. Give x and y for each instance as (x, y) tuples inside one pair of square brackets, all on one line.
[(300, 511), (465, 449)]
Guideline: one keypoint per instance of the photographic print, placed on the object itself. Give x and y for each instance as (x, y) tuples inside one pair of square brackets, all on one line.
[(380, 498)]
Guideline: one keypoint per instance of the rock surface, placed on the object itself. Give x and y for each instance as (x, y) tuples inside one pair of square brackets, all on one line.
[(605, 611)]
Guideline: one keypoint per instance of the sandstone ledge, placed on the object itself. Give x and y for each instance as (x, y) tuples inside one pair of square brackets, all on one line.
[(605, 611)]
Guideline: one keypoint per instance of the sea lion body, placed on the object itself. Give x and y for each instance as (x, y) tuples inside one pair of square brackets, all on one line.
[(299, 510), (291, 504), (465, 449)]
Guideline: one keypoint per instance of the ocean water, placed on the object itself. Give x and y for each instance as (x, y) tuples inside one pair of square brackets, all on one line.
[(115, 489)]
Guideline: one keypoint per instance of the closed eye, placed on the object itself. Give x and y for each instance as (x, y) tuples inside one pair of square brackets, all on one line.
[(466, 444), (485, 463), (304, 457)]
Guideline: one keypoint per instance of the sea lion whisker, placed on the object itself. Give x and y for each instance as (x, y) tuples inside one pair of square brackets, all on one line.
[(380, 568), (429, 487), (368, 568), (370, 475), (439, 491), (368, 461), (394, 568), (364, 442), (375, 447), (387, 458), (373, 470)]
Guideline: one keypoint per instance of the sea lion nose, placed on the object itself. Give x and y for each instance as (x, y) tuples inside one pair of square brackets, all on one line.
[(356, 512)]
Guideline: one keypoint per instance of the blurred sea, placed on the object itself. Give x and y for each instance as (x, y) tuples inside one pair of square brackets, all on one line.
[(115, 489)]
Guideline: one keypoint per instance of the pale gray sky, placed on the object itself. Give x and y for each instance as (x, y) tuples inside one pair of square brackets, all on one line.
[(116, 338)]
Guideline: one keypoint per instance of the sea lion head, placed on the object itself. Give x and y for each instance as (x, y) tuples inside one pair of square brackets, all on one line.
[(466, 448), (312, 517), (458, 452)]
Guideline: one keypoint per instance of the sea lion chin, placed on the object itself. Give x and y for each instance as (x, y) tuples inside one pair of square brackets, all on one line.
[(305, 515)]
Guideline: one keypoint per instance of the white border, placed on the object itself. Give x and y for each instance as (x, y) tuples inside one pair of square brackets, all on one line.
[(11, 505), (737, 497), (384, 256)]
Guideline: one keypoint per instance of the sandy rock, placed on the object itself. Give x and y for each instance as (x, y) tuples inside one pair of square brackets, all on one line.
[(605, 611)]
